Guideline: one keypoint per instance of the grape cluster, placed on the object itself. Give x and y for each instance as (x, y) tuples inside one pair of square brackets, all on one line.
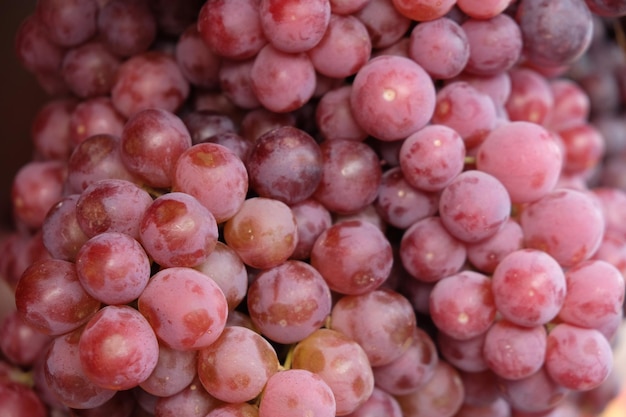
[(318, 208)]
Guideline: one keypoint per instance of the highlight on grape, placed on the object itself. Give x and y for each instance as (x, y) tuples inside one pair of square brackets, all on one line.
[(318, 208)]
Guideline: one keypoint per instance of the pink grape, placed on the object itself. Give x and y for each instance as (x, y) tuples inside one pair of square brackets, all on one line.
[(429, 252), (353, 256), (571, 104), (423, 10), (117, 348), (479, 9), (432, 157), (474, 206), (294, 25), (380, 403), (500, 155), (127, 27), (531, 98), (194, 323), (89, 70), (113, 268), (68, 23), (173, 372), (61, 233), (263, 232), (199, 65), (529, 287), (392, 97), (515, 352), (567, 224), (341, 363), (177, 230), (536, 393), (95, 116), (312, 218), (297, 392), (43, 306), (192, 401), (578, 358), (334, 117), (381, 321), (236, 367), (21, 343), (385, 24), (462, 305), (50, 129), (487, 254), (289, 301), (209, 170), (464, 355)]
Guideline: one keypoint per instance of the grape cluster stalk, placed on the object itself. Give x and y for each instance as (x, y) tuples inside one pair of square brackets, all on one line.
[(318, 208)]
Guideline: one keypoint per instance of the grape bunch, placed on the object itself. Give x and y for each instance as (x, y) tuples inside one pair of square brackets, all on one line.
[(318, 208)]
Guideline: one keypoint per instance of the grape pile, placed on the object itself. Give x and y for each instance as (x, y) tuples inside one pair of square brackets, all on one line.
[(318, 208)]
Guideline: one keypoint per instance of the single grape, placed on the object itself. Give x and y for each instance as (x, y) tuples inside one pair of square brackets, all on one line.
[(529, 287), (334, 118), (174, 371), (236, 367), (380, 403), (312, 218), (341, 363), (68, 23), (61, 233), (193, 401), (127, 28), (198, 64), (423, 10), (21, 343), (117, 348), (94, 116), (385, 24), (464, 355), (50, 129), (186, 309), (531, 97), (297, 393), (537, 393), (89, 70), (289, 301)]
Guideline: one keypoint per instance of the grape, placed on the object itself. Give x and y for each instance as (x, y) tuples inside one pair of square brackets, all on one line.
[(344, 48), (595, 294), (432, 157), (215, 176), (285, 164), (571, 104), (229, 272), (234, 410), (423, 10), (297, 393), (381, 321), (480, 9), (121, 405), (89, 70), (341, 363), (282, 81), (36, 187), (497, 86), (440, 46), (399, 204), (487, 254), (351, 175), (607, 7), (50, 297), (193, 401), (529, 287), (34, 48), (294, 25), (567, 224), (531, 97), (429, 252), (232, 29), (289, 301), (464, 355), (197, 62), (380, 403), (112, 205), (204, 124), (474, 206), (441, 396), (554, 32), (127, 28), (498, 408), (312, 219), (334, 118), (113, 268), (236, 367), (353, 256), (94, 116), (21, 343), (392, 97), (96, 158), (151, 143), (186, 309), (526, 178), (68, 23), (584, 148), (260, 120), (149, 80), (514, 352), (495, 44), (480, 388), (177, 230), (173, 372), (235, 82), (384, 23), (462, 305), (263, 232), (61, 233), (534, 394), (412, 369), (19, 400), (465, 109), (50, 130), (117, 348)]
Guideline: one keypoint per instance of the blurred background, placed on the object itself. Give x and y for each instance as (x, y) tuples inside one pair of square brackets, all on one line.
[(20, 99)]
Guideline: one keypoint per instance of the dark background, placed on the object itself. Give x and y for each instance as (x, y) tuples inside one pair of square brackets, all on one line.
[(20, 99)]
